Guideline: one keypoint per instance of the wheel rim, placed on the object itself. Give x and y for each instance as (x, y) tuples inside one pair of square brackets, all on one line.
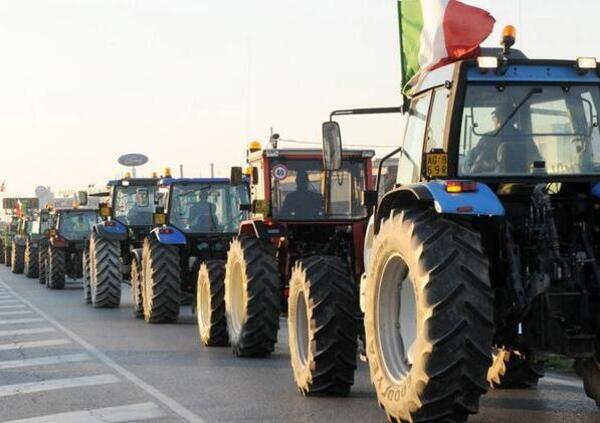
[(203, 304), (237, 297), (396, 318), (301, 329)]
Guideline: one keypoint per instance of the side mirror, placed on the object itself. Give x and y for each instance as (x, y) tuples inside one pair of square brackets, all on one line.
[(332, 146), (236, 176), (82, 198)]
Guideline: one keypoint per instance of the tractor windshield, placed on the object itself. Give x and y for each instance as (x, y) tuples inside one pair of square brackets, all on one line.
[(206, 208), (535, 129), (77, 225), (134, 205), (301, 191)]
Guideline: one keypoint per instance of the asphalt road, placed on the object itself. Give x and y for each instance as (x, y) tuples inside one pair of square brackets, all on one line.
[(62, 361)]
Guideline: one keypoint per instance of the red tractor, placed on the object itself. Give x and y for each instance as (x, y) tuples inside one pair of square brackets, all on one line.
[(303, 248)]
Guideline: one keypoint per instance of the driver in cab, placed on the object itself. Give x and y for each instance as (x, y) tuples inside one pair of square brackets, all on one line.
[(505, 149), (302, 202)]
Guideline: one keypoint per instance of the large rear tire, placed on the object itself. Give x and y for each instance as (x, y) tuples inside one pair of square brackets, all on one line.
[(512, 370), (161, 282), (428, 318), (210, 304), (43, 261), (17, 259), (252, 297), (137, 298), (2, 249), (589, 370), (31, 261), (322, 323), (87, 288), (56, 268), (106, 277)]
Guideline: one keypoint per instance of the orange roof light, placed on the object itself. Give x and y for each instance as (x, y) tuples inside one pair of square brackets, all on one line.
[(254, 146), (509, 31)]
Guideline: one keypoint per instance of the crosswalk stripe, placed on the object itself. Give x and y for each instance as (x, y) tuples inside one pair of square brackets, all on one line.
[(4, 307), (14, 321), (124, 413), (42, 361), (565, 382), (32, 331), (33, 344), (15, 312), (9, 301), (54, 384)]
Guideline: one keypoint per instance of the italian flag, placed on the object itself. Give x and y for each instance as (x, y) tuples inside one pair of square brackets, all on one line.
[(434, 33)]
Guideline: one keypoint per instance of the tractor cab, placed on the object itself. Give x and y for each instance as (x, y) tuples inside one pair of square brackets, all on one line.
[(200, 208), (304, 208)]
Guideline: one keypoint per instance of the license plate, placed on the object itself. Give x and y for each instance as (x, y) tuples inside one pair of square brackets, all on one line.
[(437, 165)]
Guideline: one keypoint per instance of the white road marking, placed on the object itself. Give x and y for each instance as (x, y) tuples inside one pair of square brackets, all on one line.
[(6, 297), (33, 344), (4, 307), (8, 301), (167, 401), (43, 361), (54, 384), (14, 321), (565, 382), (33, 331), (125, 413), (15, 312)]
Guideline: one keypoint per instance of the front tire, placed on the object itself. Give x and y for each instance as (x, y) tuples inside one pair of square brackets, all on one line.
[(161, 282), (137, 298), (31, 261), (106, 277), (7, 255), (210, 304), (87, 289), (18, 258), (428, 318), (56, 268), (43, 261), (322, 323), (252, 297)]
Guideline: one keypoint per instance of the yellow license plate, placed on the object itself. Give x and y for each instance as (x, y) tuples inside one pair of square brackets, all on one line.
[(437, 165)]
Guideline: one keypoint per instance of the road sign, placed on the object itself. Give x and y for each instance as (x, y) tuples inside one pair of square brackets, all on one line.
[(133, 160)]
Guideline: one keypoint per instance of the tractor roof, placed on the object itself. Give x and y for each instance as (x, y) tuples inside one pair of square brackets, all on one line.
[(171, 181), (306, 153), (133, 182)]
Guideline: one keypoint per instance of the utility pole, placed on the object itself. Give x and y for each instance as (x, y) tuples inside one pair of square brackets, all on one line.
[(181, 171), (212, 170)]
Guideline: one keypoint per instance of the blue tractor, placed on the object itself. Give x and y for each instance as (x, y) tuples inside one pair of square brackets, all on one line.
[(484, 259), (195, 219), (115, 247)]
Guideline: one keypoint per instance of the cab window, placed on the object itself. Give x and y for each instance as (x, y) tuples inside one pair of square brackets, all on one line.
[(434, 139), (409, 167)]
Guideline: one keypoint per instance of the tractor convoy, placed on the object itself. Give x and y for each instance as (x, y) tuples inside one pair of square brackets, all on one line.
[(478, 265)]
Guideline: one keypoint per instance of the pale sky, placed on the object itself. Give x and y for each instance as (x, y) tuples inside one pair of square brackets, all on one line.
[(193, 81)]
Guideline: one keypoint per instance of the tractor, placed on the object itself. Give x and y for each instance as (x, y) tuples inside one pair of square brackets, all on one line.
[(300, 251), (31, 229), (195, 219), (483, 261), (67, 237), (8, 234), (36, 249), (18, 244), (114, 252)]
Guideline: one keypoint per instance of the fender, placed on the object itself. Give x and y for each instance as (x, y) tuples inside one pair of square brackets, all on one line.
[(596, 190), (482, 202), (112, 230), (261, 229), (169, 235)]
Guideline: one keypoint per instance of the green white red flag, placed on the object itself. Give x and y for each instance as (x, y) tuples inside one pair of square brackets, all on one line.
[(434, 33)]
